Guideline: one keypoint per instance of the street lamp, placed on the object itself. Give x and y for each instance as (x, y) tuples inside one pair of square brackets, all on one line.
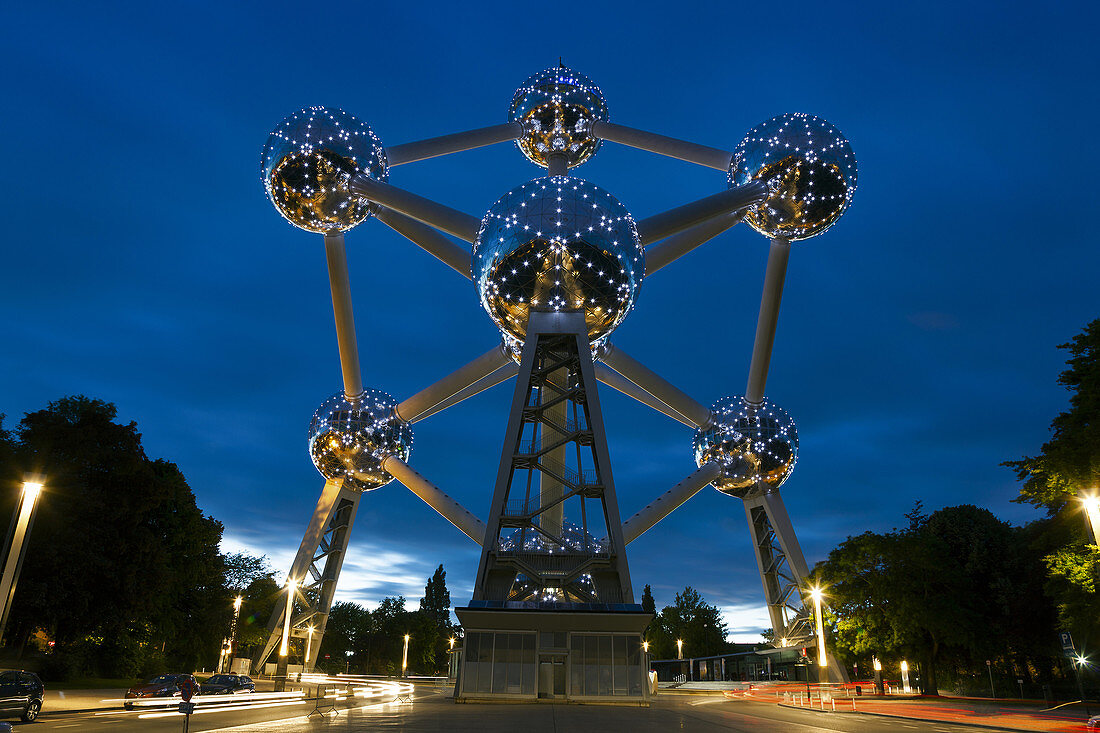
[(1091, 503), (905, 677), (16, 545), (405, 657), (284, 648), (645, 646), (878, 676), (822, 662), (679, 648), (233, 634), (309, 646)]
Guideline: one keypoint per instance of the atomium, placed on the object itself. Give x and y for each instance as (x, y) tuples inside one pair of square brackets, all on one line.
[(558, 243), (557, 108), (755, 445), (809, 167), (307, 162), (349, 439)]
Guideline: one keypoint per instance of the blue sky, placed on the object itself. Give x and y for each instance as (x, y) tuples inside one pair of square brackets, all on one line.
[(916, 345)]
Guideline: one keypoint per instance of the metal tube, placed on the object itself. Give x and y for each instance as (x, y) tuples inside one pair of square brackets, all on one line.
[(447, 507), (672, 248), (663, 145), (656, 385), (17, 547), (343, 313), (444, 218), (774, 276), (433, 147), (502, 374), (664, 504), (616, 381), (684, 217), (453, 383), (557, 165), (428, 239)]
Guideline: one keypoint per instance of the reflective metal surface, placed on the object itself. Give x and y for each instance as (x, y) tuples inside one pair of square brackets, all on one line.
[(558, 243), (810, 168), (307, 162), (557, 108), (756, 445), (348, 439)]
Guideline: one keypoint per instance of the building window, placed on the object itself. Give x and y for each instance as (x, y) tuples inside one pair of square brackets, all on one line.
[(605, 665), (502, 664)]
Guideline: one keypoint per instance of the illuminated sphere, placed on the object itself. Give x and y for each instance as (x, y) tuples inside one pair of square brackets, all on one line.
[(810, 168), (756, 445), (349, 439), (557, 108), (558, 243), (307, 162)]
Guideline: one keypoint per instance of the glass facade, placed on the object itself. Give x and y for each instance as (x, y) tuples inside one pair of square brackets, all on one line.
[(499, 663), (564, 665), (605, 665)]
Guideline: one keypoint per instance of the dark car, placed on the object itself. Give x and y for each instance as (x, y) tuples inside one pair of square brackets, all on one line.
[(228, 684), (166, 685), (21, 692)]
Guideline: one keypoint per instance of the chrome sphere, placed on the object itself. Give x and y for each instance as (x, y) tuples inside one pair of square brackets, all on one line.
[(349, 439), (557, 108), (307, 162), (558, 243), (810, 168), (756, 445)]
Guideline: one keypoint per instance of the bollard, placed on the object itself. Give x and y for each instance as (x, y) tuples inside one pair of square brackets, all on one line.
[(853, 704)]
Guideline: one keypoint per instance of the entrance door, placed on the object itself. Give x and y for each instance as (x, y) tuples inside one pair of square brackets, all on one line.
[(552, 677)]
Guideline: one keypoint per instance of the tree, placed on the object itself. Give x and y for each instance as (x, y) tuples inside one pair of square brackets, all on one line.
[(1068, 465), (955, 588), (242, 568), (121, 562), (437, 599), (699, 625)]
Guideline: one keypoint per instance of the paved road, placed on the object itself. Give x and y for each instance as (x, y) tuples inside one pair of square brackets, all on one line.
[(432, 711)]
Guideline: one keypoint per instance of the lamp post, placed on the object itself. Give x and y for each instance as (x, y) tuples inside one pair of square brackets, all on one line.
[(1078, 662), (905, 677), (309, 647), (232, 641), (16, 545), (405, 658), (879, 689), (284, 647), (822, 662), (1091, 503)]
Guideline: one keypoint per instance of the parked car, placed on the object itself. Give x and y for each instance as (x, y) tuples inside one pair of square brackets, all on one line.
[(166, 685), (228, 684), (21, 692), (1094, 723)]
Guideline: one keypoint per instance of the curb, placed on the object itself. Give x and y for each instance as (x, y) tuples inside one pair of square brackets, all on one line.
[(984, 726)]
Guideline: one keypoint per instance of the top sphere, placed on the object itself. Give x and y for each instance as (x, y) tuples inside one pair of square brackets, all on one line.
[(810, 168), (557, 107), (558, 243), (307, 162)]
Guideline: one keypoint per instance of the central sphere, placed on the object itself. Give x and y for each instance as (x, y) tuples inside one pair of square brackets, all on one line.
[(349, 438), (307, 162), (554, 244), (557, 108), (756, 445)]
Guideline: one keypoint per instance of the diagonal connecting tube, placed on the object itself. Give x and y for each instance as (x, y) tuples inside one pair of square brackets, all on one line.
[(454, 143), (342, 311), (447, 507), (450, 385), (443, 218), (502, 374), (663, 145), (664, 504), (661, 389), (670, 249), (428, 239), (610, 377), (684, 217), (774, 276)]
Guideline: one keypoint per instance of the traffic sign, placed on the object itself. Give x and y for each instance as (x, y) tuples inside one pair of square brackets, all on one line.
[(187, 708), (187, 688), (1067, 643)]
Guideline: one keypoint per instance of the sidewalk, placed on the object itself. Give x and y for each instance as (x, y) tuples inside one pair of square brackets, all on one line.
[(1013, 716)]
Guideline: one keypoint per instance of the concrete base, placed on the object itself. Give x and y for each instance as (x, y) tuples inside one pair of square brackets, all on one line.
[(554, 653)]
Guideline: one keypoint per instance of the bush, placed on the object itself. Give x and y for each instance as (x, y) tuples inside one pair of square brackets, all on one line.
[(60, 667)]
